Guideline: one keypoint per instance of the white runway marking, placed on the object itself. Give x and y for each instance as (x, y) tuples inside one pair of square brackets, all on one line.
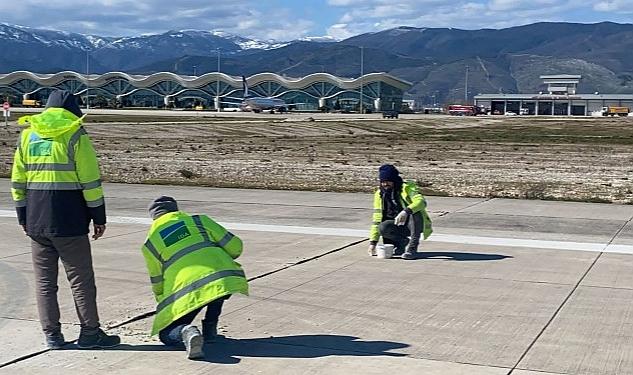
[(436, 237)]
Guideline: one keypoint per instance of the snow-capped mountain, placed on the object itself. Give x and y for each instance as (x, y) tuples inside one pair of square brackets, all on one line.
[(42, 50), (319, 39), (433, 59), (46, 50), (246, 44), (218, 39), (21, 34)]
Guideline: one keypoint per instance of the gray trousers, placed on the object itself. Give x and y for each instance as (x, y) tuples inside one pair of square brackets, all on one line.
[(398, 234), (76, 258)]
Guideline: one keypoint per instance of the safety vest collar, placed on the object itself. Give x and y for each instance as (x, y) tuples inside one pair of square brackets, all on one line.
[(167, 217), (53, 122)]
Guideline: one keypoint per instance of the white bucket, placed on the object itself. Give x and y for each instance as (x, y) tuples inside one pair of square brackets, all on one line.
[(384, 251)]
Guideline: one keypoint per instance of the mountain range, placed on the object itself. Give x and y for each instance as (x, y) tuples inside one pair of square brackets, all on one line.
[(434, 60)]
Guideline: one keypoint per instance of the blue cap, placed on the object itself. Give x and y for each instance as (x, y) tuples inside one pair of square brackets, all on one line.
[(388, 172)]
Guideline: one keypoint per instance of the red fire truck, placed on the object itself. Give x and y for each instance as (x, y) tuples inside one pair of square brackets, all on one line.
[(465, 110), (462, 110)]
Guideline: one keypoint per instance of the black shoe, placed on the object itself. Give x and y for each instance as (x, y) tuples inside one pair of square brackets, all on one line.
[(55, 341), (209, 331), (99, 339), (400, 247), (193, 341), (409, 254)]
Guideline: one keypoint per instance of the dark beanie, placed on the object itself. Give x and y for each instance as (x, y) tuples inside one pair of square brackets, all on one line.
[(388, 172), (161, 206), (64, 99)]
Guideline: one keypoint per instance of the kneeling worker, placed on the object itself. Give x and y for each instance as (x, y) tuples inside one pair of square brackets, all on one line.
[(399, 212), (191, 265)]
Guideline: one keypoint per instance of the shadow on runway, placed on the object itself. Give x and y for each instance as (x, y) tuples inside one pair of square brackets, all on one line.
[(459, 256), (228, 350)]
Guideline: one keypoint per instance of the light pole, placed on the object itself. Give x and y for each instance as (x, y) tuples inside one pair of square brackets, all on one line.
[(87, 78), (217, 89), (361, 109), (88, 50), (466, 87)]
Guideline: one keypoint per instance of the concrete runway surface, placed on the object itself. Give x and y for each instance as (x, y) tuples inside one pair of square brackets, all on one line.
[(502, 287)]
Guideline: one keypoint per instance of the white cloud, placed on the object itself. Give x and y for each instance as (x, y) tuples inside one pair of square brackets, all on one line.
[(376, 15), (285, 21), (344, 3), (506, 5), (473, 7), (250, 18), (340, 31), (625, 6)]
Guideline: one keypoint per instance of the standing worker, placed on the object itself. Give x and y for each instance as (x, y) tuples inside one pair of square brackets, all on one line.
[(190, 259), (57, 190), (399, 213)]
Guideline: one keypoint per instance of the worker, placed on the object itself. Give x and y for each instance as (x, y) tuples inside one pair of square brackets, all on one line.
[(57, 190), (399, 213), (190, 259)]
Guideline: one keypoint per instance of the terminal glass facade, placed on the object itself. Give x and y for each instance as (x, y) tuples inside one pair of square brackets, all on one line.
[(315, 92)]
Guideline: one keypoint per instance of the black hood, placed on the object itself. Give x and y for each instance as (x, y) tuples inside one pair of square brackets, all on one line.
[(64, 99)]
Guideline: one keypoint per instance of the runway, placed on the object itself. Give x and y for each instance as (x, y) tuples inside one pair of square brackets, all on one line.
[(502, 287)]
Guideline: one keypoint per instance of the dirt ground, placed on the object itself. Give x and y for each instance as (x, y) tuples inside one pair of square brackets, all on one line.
[(580, 159)]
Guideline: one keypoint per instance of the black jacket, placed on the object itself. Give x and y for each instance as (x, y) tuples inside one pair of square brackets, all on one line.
[(58, 213)]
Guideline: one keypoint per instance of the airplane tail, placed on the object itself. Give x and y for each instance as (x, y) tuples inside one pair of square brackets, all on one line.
[(245, 87)]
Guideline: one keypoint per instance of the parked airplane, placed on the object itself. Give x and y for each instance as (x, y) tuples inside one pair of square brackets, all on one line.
[(259, 103)]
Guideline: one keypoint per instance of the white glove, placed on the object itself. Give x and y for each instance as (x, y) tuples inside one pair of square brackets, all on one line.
[(401, 218), (372, 250)]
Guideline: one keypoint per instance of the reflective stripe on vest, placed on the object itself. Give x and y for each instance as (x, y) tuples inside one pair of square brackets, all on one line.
[(55, 167), (97, 203), (53, 185), (187, 250), (197, 285), (152, 249), (71, 144), (225, 240), (201, 228), (156, 279), (91, 185)]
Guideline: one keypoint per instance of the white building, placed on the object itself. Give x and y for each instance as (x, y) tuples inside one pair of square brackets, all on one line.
[(561, 99)]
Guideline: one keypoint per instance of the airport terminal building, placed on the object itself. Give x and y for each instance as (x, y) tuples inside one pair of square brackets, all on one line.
[(380, 91), (561, 99)]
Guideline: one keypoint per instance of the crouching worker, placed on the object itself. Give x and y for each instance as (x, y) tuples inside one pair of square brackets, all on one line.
[(191, 265), (399, 213)]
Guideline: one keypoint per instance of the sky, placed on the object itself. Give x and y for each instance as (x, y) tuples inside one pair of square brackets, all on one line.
[(285, 20)]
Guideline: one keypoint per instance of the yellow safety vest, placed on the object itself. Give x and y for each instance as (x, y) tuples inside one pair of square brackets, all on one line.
[(410, 198), (55, 153), (191, 263)]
